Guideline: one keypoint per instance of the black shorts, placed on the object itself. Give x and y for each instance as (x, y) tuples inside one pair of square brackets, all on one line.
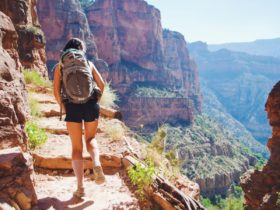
[(87, 112)]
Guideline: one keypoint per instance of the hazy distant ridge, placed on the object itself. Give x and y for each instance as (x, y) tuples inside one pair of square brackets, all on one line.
[(267, 47)]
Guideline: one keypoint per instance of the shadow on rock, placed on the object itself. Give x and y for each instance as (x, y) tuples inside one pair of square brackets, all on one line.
[(73, 203)]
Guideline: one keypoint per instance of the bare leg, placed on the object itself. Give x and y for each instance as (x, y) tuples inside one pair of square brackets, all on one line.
[(91, 144), (75, 133), (93, 150)]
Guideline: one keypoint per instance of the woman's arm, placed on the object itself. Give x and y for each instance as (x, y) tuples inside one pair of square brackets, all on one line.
[(97, 77), (57, 86)]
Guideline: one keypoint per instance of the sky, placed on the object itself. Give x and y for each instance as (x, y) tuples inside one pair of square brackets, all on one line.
[(220, 21)]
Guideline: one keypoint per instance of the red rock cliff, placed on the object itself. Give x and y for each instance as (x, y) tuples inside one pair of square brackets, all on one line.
[(31, 41), (129, 37), (62, 20), (127, 30), (12, 90), (262, 188)]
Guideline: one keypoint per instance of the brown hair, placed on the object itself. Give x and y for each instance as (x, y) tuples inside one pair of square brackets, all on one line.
[(75, 43)]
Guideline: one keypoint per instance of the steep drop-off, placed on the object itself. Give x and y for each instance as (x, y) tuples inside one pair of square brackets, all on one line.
[(262, 188), (209, 155), (215, 109), (241, 83)]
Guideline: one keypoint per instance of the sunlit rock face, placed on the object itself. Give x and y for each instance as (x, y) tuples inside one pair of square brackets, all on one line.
[(31, 40), (130, 38), (62, 20), (262, 187), (12, 90)]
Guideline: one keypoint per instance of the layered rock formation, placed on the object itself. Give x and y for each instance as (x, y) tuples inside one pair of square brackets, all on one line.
[(16, 189), (12, 90), (31, 40), (130, 38), (127, 31), (262, 188)]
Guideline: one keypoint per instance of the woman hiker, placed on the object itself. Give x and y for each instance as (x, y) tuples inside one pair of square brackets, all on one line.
[(70, 89)]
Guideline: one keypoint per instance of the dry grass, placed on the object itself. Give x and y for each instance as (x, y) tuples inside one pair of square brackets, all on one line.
[(34, 107), (109, 97), (116, 131)]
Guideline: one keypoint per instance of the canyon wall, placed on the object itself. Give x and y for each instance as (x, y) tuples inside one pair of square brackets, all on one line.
[(129, 37), (127, 31), (12, 90), (262, 188)]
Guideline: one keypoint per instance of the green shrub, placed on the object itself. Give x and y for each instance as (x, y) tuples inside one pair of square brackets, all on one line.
[(234, 201), (206, 202), (152, 92), (142, 175), (32, 76), (36, 136), (109, 97)]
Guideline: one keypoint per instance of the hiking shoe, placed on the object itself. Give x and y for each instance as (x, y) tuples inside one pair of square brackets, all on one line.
[(80, 192), (98, 175)]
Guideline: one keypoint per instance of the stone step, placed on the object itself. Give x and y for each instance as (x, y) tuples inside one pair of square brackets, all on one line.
[(65, 162), (50, 110), (43, 98), (53, 125)]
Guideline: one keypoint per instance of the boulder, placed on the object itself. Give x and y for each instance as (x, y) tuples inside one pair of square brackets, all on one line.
[(16, 180)]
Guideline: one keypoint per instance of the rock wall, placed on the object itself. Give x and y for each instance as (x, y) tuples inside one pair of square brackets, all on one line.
[(262, 188), (154, 111), (12, 90), (178, 64), (16, 189), (31, 40), (127, 30), (21, 46)]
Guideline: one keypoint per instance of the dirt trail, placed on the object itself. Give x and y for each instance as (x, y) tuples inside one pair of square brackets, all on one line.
[(55, 187)]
